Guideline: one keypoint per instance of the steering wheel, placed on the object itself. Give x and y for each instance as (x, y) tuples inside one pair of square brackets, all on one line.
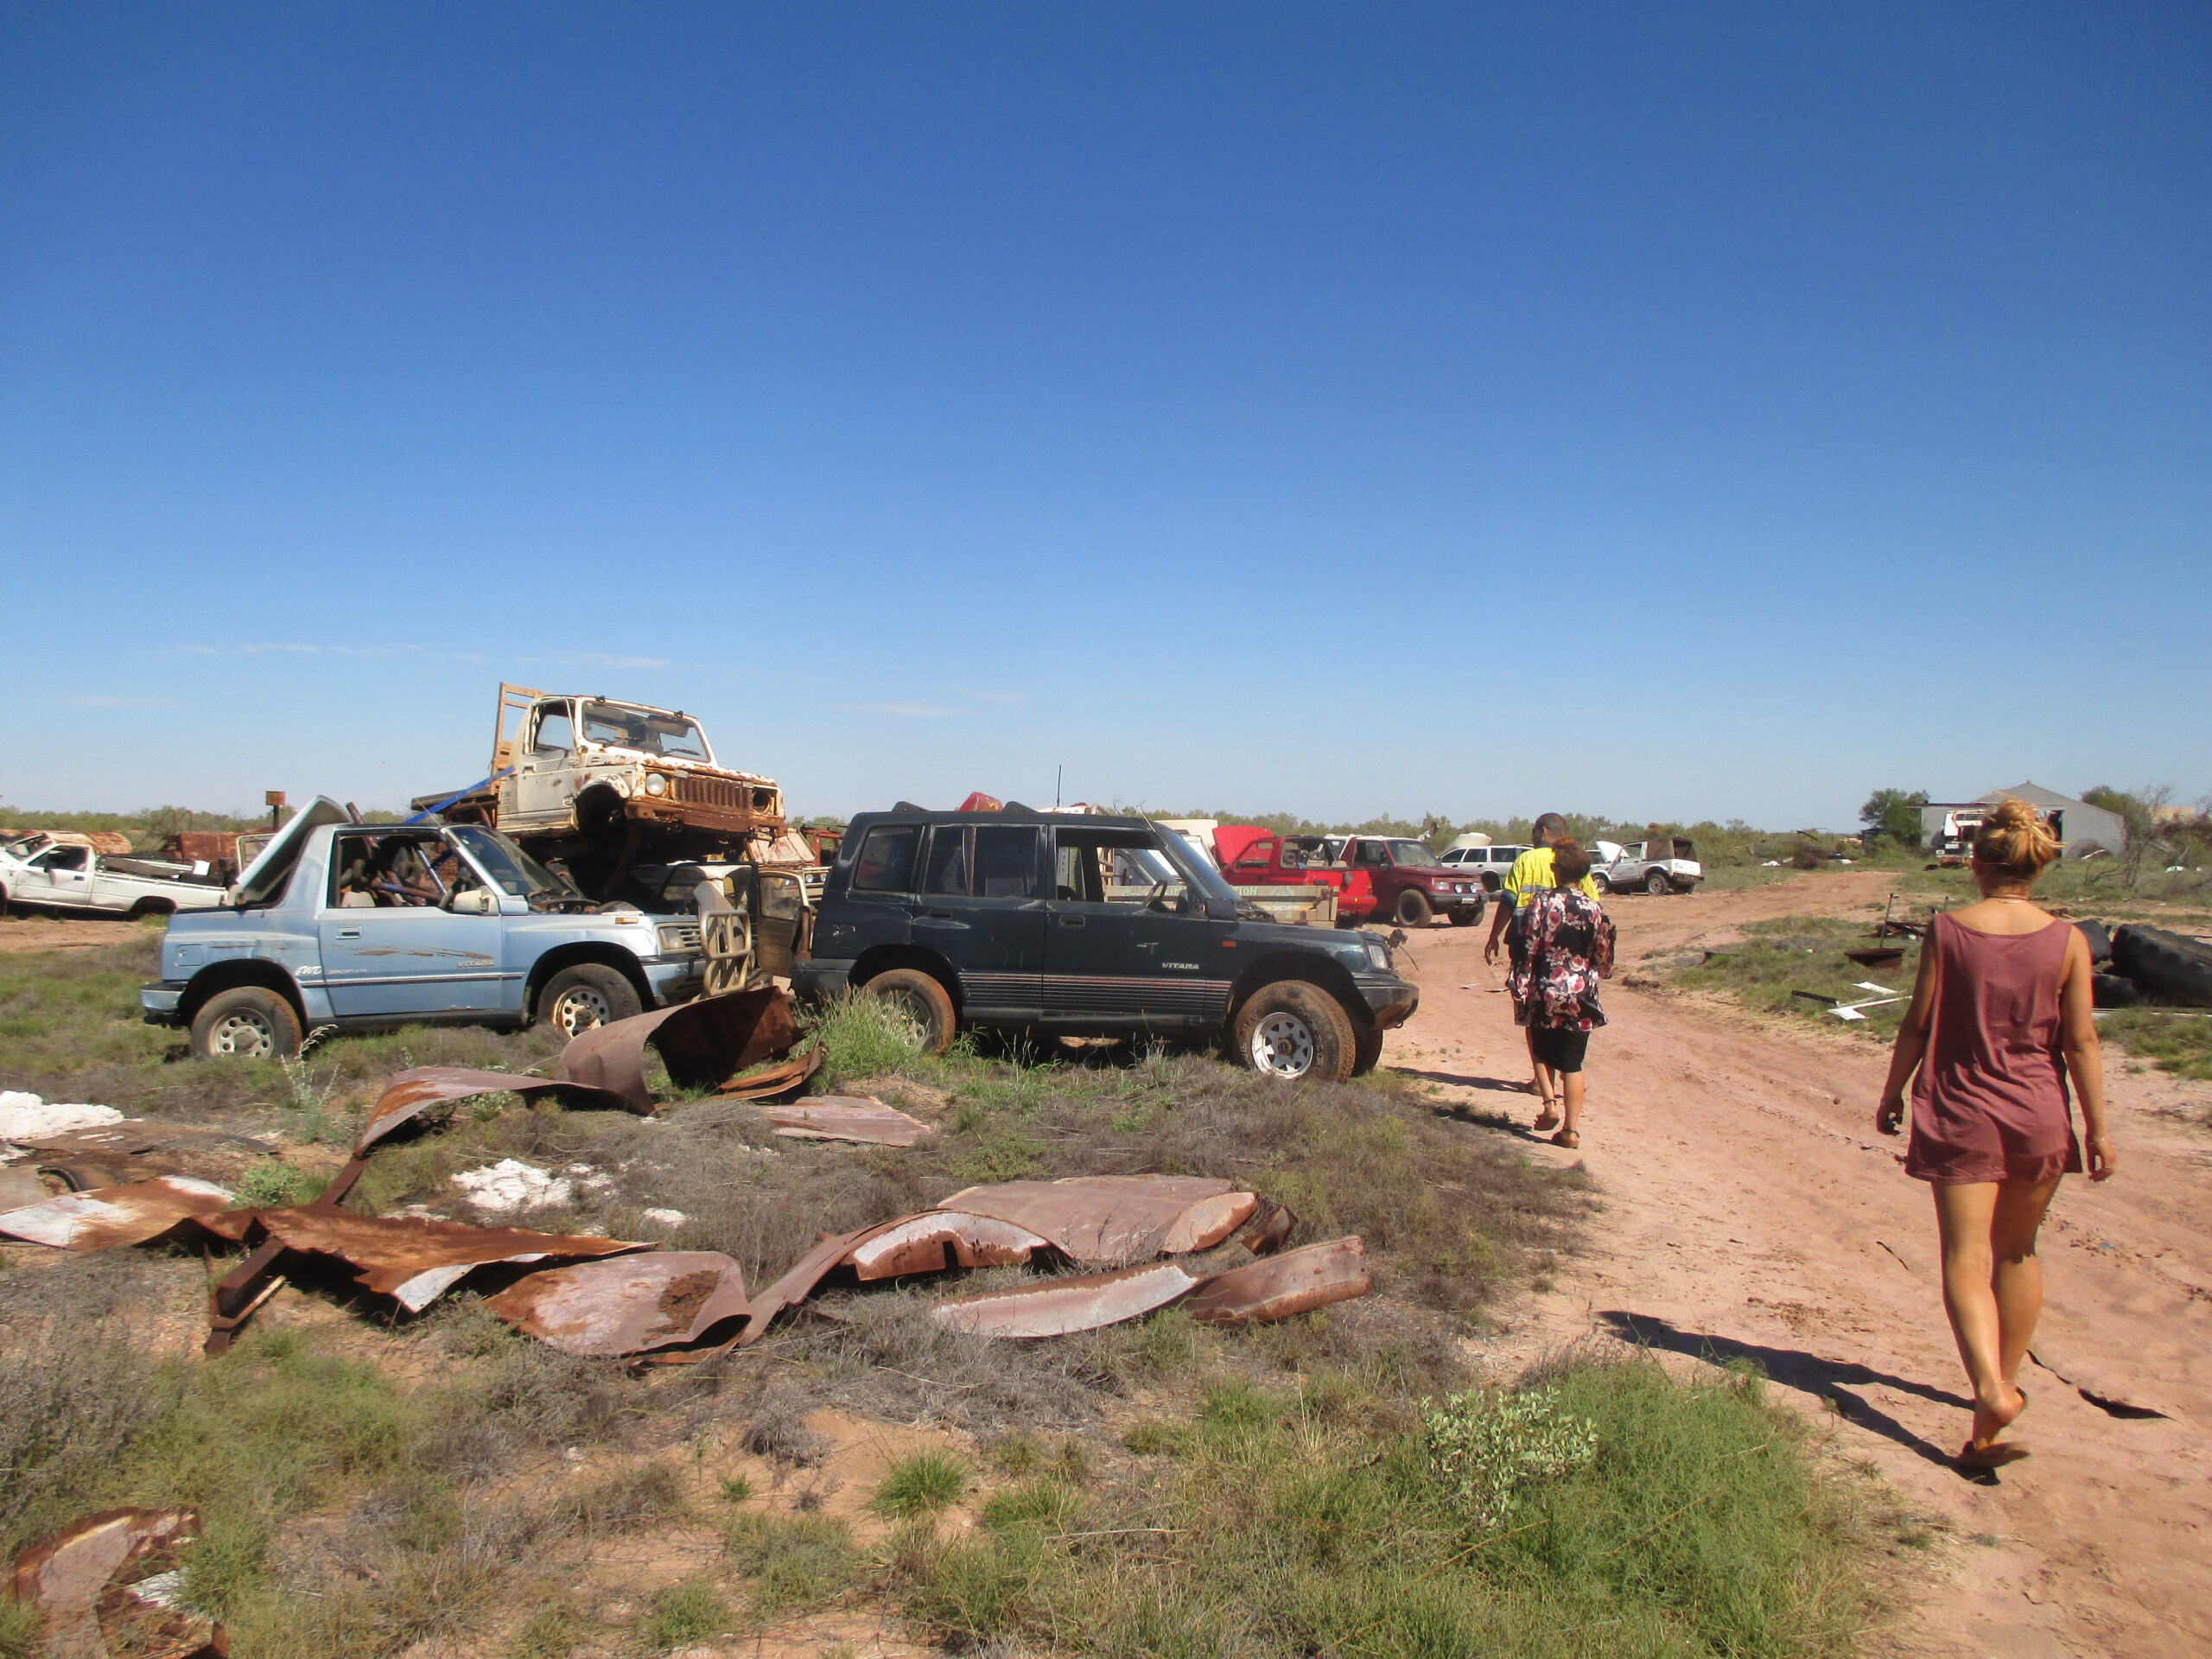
[(1159, 894)]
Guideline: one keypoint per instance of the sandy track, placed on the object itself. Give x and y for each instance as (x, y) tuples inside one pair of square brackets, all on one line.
[(1751, 1212), (29, 930)]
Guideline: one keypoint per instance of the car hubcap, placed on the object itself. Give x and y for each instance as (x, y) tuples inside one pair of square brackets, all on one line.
[(243, 1034), (580, 1010), (1283, 1045)]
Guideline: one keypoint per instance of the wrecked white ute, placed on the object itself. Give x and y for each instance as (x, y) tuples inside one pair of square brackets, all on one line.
[(359, 927), (38, 870)]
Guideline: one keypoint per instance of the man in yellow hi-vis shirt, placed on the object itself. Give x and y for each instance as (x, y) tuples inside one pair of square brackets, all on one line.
[(1532, 870)]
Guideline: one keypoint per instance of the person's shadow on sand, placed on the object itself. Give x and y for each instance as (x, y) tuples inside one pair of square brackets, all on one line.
[(1795, 1369)]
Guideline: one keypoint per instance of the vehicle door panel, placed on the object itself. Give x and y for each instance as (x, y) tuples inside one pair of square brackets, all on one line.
[(1129, 964), (982, 908), (408, 960), (62, 875)]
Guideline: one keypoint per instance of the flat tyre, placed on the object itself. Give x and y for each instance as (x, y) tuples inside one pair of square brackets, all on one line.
[(1412, 909), (249, 1022), (923, 1000), (1293, 1031), (587, 995)]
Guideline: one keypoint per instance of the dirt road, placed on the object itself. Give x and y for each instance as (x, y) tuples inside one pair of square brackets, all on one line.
[(1752, 1212), (29, 930)]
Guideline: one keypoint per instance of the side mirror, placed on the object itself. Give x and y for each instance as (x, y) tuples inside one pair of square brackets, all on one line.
[(477, 901)]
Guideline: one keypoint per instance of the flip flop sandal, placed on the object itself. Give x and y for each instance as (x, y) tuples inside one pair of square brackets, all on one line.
[(1567, 1138), (1995, 1455)]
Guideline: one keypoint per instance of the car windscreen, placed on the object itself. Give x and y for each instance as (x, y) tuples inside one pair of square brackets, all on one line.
[(515, 871), (1414, 854), (624, 727), (1199, 873)]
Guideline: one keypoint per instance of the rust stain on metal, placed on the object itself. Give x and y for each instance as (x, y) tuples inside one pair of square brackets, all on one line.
[(414, 1259), (411, 1093), (776, 1080), (1115, 1217), (117, 1154), (703, 1042), (85, 1582), (845, 1118), (1279, 1286), (1080, 1302), (114, 1216), (939, 1239), (628, 1304)]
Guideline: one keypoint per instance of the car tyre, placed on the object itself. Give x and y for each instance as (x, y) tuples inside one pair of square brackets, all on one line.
[(1604, 883), (146, 907), (1657, 882), (1466, 917), (1292, 1031), (587, 995), (922, 997), (1412, 909), (246, 1022), (1367, 1051)]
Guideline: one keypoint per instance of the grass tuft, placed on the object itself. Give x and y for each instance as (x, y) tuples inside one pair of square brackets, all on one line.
[(690, 1612), (797, 1562), (922, 1482)]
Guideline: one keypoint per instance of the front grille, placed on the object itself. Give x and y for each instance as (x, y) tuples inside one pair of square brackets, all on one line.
[(692, 790)]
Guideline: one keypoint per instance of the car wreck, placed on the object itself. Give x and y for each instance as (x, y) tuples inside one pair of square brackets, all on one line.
[(603, 786)]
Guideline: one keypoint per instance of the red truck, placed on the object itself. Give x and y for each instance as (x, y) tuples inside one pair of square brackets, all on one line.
[(1253, 857), (1411, 883)]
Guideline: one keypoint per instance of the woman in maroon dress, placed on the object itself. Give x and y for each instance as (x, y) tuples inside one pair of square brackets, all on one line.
[(2000, 1019)]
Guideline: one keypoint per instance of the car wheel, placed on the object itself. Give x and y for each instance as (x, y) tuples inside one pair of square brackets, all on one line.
[(1292, 1030), (1493, 883), (1605, 884), (146, 907), (1467, 916), (247, 1022), (577, 999), (1367, 1051), (1412, 909), (923, 1000), (1657, 882)]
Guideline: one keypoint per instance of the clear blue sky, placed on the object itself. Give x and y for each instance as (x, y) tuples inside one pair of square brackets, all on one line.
[(1663, 411)]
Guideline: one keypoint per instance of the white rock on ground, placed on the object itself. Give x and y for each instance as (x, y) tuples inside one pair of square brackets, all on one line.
[(512, 1184), (665, 1217), (26, 1117)]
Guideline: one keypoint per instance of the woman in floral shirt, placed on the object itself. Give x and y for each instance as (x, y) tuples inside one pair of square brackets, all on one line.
[(1565, 946)]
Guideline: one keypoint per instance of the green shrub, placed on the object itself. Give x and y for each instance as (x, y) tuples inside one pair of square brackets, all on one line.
[(921, 1483), (1484, 1447)]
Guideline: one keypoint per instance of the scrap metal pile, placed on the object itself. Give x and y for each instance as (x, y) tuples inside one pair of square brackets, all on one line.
[(1141, 1241)]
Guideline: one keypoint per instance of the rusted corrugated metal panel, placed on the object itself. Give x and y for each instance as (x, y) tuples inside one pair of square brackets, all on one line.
[(411, 1093), (625, 1306), (114, 1216), (96, 1588), (702, 1042), (413, 1259), (1115, 1217), (776, 1080), (1079, 1302), (1294, 1282), (117, 1154), (937, 1240), (843, 1117)]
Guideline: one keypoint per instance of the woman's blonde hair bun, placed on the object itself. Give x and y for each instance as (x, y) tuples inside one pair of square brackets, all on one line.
[(2015, 841)]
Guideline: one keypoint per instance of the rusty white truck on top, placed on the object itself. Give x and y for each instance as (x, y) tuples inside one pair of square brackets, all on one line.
[(353, 925), (67, 875), (604, 785)]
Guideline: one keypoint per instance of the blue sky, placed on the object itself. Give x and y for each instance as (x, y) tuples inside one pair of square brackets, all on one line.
[(1672, 411)]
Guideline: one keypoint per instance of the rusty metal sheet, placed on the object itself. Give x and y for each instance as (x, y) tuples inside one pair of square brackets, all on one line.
[(1279, 1286), (776, 1080), (626, 1304), (115, 1216), (240, 1292), (413, 1259), (116, 1154), (937, 1240), (20, 1186), (1081, 1301), (846, 1117), (703, 1042), (1117, 1218), (104, 1587), (411, 1093)]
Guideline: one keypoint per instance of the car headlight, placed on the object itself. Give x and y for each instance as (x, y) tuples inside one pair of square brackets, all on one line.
[(677, 936), (655, 784), (1378, 954)]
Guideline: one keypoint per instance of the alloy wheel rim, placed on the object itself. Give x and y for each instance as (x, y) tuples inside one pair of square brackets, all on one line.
[(1283, 1044)]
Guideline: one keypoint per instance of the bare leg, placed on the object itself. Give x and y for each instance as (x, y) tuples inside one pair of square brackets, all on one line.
[(2019, 1276), (1570, 1085), (1965, 1217)]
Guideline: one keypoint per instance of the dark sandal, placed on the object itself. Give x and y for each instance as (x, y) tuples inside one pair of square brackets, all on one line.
[(1547, 1119), (1567, 1138), (1995, 1455)]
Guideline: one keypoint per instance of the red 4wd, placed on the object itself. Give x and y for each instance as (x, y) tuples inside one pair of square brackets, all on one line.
[(1411, 883)]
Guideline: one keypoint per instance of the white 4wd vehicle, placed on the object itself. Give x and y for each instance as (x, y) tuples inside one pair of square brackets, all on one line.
[(38, 870), (1490, 862), (1663, 864)]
